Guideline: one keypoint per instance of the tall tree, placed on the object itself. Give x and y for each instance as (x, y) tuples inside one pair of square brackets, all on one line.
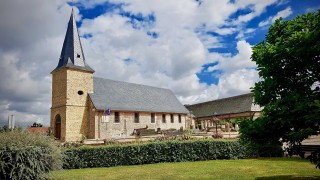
[(289, 67)]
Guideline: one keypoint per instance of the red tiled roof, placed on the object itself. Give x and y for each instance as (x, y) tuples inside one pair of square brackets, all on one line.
[(40, 130)]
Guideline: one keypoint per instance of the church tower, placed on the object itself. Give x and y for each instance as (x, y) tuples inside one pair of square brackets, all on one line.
[(72, 80)]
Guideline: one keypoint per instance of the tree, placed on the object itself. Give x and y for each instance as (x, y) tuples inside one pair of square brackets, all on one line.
[(289, 67), (36, 124)]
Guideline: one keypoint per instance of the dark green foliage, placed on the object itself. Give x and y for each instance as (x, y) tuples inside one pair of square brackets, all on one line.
[(27, 156), (36, 124), (155, 152), (261, 141), (289, 67), (28, 163), (5, 128), (315, 158)]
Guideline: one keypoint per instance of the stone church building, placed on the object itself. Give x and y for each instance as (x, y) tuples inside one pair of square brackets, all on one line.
[(84, 106)]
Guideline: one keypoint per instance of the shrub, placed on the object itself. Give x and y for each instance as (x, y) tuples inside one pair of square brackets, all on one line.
[(27, 156), (315, 158), (155, 152)]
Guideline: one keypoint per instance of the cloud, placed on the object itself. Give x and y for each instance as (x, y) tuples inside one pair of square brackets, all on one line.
[(118, 45), (284, 13), (228, 63), (237, 82), (29, 49)]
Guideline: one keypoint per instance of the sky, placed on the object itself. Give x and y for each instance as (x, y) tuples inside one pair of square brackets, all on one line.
[(200, 49)]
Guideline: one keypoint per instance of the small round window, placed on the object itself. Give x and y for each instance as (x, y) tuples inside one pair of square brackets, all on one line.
[(80, 92)]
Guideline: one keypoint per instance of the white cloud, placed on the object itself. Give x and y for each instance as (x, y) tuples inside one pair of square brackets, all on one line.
[(241, 60), (32, 35), (31, 39), (284, 13), (237, 82)]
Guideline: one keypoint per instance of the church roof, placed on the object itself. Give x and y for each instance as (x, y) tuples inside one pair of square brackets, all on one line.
[(72, 54), (236, 104), (123, 96)]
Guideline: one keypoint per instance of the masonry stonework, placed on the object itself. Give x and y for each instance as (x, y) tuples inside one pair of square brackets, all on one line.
[(70, 88), (62, 112), (126, 124)]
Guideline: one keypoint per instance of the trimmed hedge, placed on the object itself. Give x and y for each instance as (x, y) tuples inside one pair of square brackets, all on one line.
[(156, 152)]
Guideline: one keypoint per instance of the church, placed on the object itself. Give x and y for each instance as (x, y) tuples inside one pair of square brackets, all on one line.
[(84, 106)]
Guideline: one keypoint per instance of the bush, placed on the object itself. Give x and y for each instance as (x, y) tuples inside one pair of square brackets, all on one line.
[(27, 156), (264, 150), (315, 158), (155, 152)]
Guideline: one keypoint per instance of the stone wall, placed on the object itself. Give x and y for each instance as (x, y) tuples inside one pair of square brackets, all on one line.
[(59, 87), (126, 125), (79, 118), (70, 88), (62, 112), (78, 81)]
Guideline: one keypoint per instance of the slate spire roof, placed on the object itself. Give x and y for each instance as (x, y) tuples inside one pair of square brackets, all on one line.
[(72, 54)]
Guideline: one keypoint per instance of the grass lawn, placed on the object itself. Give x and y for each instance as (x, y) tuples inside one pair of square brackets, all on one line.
[(265, 168)]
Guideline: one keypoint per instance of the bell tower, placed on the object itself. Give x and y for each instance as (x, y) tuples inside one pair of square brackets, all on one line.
[(72, 80)]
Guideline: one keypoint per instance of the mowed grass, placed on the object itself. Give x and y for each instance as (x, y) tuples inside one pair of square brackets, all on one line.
[(264, 168)]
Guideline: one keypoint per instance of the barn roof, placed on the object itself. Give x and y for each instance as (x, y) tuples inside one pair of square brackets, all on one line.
[(123, 96), (236, 104)]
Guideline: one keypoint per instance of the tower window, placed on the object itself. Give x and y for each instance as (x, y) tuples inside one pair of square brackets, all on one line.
[(78, 55), (80, 92)]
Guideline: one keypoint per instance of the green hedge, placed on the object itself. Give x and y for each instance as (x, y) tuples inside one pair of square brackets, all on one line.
[(156, 152)]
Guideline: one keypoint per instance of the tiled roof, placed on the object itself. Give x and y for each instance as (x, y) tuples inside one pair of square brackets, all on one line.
[(236, 104), (40, 130), (72, 54), (124, 96)]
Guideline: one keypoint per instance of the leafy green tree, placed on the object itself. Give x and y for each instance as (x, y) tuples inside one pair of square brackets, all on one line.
[(289, 67), (36, 124)]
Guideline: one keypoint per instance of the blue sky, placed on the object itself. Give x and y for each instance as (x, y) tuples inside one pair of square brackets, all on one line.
[(199, 49), (230, 41)]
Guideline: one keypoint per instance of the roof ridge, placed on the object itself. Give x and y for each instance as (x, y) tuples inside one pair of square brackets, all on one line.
[(133, 83), (222, 99)]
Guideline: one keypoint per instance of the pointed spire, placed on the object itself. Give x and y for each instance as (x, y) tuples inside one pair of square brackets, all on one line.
[(72, 54)]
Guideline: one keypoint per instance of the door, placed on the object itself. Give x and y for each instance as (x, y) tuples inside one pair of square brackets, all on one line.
[(57, 131)]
